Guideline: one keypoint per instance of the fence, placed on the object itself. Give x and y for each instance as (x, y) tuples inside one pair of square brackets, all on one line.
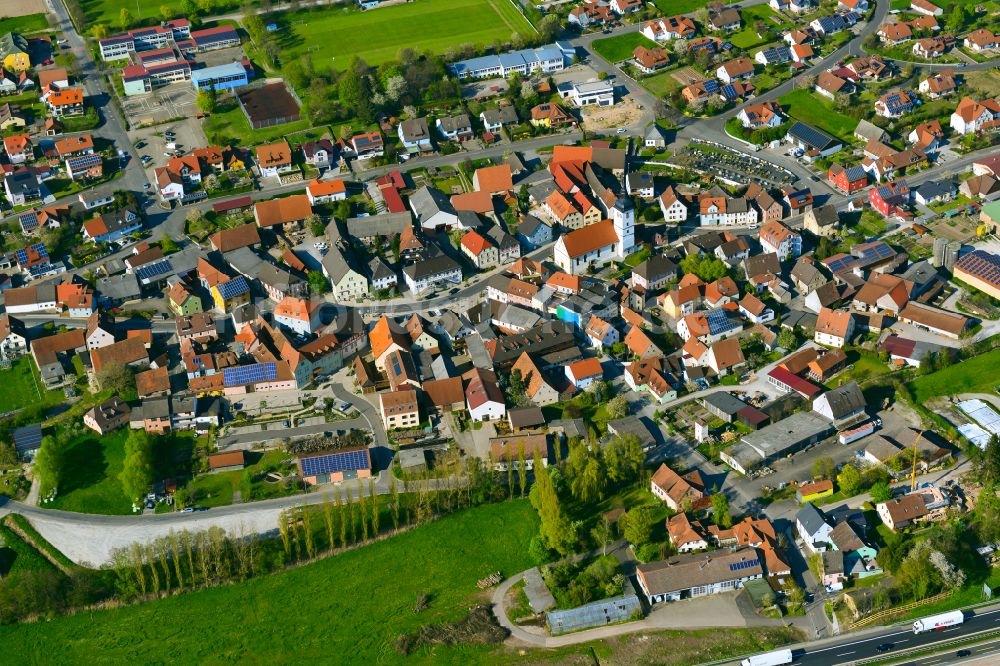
[(865, 621)]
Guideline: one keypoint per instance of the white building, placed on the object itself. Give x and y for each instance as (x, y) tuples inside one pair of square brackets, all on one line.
[(598, 243)]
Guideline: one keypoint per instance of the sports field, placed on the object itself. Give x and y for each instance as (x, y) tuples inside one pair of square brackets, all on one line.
[(333, 36)]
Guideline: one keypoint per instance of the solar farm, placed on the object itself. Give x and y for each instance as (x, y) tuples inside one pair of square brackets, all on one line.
[(333, 36)]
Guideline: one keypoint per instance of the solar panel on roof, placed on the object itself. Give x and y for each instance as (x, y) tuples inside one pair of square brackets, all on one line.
[(153, 269), (84, 161), (249, 374), (744, 564), (232, 288), (717, 321), (340, 461), (811, 135), (712, 86)]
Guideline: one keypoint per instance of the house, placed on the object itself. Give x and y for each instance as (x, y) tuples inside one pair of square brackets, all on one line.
[(13, 336), (833, 327), (755, 310), (896, 104), (812, 527), (649, 60), (830, 85), (895, 33), (671, 27), (933, 191), (415, 135), (933, 47), (111, 226), (288, 212), (335, 466), (779, 239), (509, 452), (651, 375), (65, 102), (110, 415), (11, 117), (718, 208), (763, 114), (400, 409), (433, 210), (496, 119), (890, 199), (686, 536), (480, 250), (736, 69), (981, 39), (483, 398), (550, 115), (230, 294), (848, 180), (274, 159), (320, 153), (812, 141), (533, 232), (698, 574), (654, 273), (925, 7), (589, 93), (18, 148), (927, 136), (600, 333), (234, 238), (901, 512), (679, 492), (23, 186), (882, 293), (367, 145), (433, 272), (455, 128), (938, 86), (842, 405), (972, 117), (774, 55), (585, 373), (724, 20), (725, 356), (537, 387), (673, 206), (325, 191), (496, 180)]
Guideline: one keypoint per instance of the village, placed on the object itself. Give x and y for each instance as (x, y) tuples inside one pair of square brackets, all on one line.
[(718, 291)]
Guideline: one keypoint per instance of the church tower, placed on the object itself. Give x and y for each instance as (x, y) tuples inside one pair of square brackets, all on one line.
[(623, 217)]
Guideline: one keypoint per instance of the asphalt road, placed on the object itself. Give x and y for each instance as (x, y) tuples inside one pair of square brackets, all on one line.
[(850, 648)]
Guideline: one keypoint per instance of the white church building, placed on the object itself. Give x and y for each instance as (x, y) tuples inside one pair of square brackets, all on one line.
[(598, 243)]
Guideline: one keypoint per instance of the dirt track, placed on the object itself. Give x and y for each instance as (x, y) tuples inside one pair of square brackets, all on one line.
[(23, 7)]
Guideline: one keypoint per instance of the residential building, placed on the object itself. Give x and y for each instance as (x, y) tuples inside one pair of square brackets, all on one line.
[(972, 117), (696, 574), (833, 327), (400, 409)]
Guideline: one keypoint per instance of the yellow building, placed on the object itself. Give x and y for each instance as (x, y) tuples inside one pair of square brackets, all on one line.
[(229, 295), (14, 49)]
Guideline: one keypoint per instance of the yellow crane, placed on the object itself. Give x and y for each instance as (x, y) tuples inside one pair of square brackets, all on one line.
[(913, 474)]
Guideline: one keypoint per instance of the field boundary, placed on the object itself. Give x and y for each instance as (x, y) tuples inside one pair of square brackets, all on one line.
[(30, 539)]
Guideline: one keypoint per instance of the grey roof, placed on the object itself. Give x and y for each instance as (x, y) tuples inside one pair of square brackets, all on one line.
[(529, 225), (279, 278), (724, 402), (468, 219), (455, 123), (518, 317), (826, 215), (415, 129), (632, 425), (379, 270), (428, 202), (827, 293), (811, 518), (655, 132), (501, 238), (920, 273), (844, 400), (386, 224), (682, 572), (656, 267), (773, 440), (805, 320), (504, 115), (935, 188), (336, 264), (867, 130), (430, 267), (833, 562), (638, 180), (27, 438), (124, 287), (244, 261), (760, 264)]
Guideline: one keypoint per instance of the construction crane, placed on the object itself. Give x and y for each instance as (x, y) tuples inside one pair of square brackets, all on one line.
[(913, 474)]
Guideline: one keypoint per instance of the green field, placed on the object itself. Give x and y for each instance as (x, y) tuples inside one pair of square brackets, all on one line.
[(979, 374), (144, 12), (346, 609), (661, 84), (24, 24), (91, 481), (19, 387), (16, 555), (620, 47), (814, 110), (747, 37), (333, 36)]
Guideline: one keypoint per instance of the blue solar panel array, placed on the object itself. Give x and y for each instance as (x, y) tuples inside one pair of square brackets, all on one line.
[(233, 288), (745, 564), (711, 86), (811, 136), (29, 221), (249, 374), (718, 321), (36, 249), (153, 269), (84, 162), (840, 264), (728, 91), (341, 461)]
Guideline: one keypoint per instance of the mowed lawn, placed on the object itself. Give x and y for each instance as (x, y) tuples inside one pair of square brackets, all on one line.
[(345, 609), (979, 374), (108, 11), (620, 47), (90, 483), (19, 387), (333, 36), (817, 111)]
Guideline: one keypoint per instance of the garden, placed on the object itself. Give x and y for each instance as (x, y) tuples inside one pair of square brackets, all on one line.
[(819, 112), (620, 47)]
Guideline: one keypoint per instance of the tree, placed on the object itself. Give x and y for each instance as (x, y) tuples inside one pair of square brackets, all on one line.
[(556, 530), (137, 469), (99, 31), (168, 245), (125, 19), (8, 453), (623, 458), (849, 481), (116, 377), (705, 267), (720, 508), (318, 283), (602, 534), (549, 28), (516, 389), (617, 407), (166, 12), (824, 468), (986, 462), (880, 492), (637, 525), (787, 339), (48, 465), (206, 101)]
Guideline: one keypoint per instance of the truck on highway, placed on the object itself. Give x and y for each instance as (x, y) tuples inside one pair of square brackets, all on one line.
[(776, 658), (938, 622)]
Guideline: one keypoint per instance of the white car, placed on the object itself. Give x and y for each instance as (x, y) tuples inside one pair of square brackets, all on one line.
[(621, 130)]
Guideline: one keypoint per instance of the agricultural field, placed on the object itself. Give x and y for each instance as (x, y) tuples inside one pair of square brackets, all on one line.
[(24, 24), (335, 35), (979, 374), (620, 47), (368, 594), (814, 110)]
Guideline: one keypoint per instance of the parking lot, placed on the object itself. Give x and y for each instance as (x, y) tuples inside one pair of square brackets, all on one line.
[(173, 101), (187, 135)]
